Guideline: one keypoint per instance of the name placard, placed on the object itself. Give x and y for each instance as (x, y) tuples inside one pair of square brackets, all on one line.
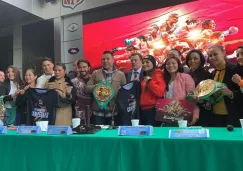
[(189, 133), (3, 129), (28, 130), (59, 130), (135, 130)]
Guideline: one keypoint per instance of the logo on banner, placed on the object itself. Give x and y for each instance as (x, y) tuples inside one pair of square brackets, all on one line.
[(71, 3), (73, 50), (73, 27)]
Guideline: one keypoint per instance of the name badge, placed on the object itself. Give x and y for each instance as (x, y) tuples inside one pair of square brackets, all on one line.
[(189, 133), (3, 129), (28, 130), (135, 130), (59, 130)]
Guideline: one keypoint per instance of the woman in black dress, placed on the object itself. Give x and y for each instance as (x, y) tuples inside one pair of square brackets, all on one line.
[(195, 60)]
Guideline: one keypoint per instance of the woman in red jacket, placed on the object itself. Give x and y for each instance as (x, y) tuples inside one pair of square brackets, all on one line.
[(153, 87)]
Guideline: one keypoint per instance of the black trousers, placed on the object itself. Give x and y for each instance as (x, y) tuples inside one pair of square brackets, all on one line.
[(147, 117), (100, 120), (219, 120), (206, 118)]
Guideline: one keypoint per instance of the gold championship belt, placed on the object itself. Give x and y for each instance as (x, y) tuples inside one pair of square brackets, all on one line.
[(2, 111), (208, 90), (103, 94)]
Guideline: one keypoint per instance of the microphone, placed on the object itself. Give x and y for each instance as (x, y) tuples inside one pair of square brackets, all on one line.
[(230, 128)]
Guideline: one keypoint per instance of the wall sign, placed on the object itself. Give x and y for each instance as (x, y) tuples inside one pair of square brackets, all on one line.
[(73, 50), (71, 3), (72, 27)]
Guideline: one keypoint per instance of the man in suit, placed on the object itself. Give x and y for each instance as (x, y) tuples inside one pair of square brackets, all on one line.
[(136, 71)]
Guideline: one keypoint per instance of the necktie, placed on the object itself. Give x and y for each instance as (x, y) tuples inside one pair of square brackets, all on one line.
[(135, 75)]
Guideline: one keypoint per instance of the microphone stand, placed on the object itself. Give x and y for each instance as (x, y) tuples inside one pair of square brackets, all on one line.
[(112, 126), (87, 114)]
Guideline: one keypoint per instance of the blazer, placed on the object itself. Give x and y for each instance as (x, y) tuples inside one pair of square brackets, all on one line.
[(199, 75), (183, 85), (118, 79), (5, 89), (129, 75), (234, 106)]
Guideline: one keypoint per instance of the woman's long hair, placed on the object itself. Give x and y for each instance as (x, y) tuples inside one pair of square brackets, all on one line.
[(167, 76), (17, 78)]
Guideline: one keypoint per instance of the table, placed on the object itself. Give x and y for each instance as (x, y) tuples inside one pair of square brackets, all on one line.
[(106, 151)]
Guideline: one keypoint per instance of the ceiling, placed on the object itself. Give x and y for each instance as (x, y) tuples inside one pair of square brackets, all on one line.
[(11, 15)]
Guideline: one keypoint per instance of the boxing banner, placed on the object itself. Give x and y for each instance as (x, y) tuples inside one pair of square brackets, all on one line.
[(170, 110), (195, 25)]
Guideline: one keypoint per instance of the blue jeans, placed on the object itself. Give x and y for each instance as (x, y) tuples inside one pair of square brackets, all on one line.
[(10, 117)]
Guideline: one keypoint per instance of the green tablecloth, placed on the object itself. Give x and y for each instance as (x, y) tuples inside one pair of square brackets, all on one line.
[(106, 151)]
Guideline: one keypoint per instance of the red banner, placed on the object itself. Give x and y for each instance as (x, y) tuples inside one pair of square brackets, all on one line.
[(199, 24)]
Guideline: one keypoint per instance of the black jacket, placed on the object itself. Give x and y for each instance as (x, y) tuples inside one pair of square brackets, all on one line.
[(234, 106), (205, 115), (4, 91), (199, 75)]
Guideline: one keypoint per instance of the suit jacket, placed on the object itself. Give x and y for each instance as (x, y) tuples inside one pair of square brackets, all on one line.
[(4, 91), (234, 106), (4, 88), (118, 79), (199, 75), (129, 75)]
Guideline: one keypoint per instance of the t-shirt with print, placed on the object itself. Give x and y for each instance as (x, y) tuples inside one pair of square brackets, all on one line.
[(128, 102), (41, 105)]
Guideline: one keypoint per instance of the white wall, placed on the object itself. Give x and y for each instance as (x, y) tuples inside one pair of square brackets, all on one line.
[(58, 8)]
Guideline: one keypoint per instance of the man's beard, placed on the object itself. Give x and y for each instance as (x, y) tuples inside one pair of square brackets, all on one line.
[(83, 74)]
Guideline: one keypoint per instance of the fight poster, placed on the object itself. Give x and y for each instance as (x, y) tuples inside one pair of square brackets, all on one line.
[(195, 25), (170, 110)]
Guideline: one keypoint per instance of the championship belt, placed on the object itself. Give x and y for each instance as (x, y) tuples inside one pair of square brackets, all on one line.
[(103, 94), (7, 120), (2, 111), (208, 90)]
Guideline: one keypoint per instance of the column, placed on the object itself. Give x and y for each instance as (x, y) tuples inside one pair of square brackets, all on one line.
[(72, 39), (17, 48), (58, 40)]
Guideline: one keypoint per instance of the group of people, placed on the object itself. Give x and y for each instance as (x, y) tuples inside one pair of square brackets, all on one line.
[(173, 80)]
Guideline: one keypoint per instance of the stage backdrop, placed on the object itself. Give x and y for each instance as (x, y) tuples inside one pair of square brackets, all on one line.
[(199, 24)]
